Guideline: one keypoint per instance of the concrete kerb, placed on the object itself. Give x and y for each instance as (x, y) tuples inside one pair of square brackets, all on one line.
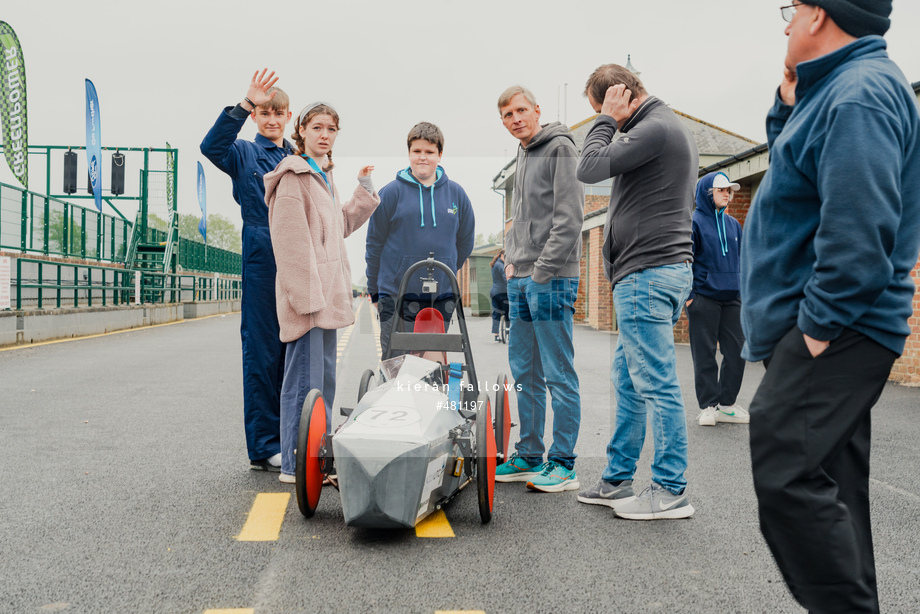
[(37, 325)]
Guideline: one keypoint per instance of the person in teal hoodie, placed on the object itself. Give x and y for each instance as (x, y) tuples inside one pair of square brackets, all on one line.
[(714, 305), (420, 212), (826, 259)]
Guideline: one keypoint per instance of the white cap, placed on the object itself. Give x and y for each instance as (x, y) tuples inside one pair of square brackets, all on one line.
[(721, 181)]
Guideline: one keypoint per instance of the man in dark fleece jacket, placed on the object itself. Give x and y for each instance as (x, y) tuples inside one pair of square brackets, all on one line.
[(828, 248), (542, 256), (653, 160), (714, 304)]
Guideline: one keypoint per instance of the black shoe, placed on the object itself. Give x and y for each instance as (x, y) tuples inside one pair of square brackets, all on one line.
[(264, 465)]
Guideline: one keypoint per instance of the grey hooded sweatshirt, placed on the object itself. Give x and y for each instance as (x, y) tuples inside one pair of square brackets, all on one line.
[(547, 209), (654, 165)]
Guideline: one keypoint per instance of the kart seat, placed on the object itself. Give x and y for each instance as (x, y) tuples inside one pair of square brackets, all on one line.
[(430, 320)]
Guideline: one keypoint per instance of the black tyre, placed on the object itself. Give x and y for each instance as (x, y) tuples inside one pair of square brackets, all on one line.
[(485, 457), (311, 439), (502, 419), (367, 382), (504, 328)]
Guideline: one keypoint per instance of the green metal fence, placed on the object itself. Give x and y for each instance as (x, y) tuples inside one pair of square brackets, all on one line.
[(195, 256), (50, 282), (35, 224)]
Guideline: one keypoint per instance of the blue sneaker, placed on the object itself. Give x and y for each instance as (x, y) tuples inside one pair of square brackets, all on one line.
[(516, 469), (555, 478)]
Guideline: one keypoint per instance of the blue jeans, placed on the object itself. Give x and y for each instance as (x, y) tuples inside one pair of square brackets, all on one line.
[(309, 363), (542, 355), (644, 373)]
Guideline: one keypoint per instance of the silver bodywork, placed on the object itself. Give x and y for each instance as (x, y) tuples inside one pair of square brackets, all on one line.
[(396, 454)]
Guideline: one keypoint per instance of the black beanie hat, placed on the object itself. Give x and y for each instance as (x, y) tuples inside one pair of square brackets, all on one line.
[(857, 17)]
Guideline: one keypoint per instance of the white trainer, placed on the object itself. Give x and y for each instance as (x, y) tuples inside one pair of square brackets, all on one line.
[(707, 417), (275, 461), (732, 413), (287, 479)]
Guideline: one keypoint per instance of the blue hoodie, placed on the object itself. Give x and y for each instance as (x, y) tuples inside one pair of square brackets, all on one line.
[(716, 247), (834, 229), (411, 221)]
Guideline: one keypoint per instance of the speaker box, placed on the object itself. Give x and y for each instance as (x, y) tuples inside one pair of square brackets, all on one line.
[(70, 172)]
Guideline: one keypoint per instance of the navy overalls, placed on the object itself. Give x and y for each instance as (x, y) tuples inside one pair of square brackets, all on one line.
[(263, 353)]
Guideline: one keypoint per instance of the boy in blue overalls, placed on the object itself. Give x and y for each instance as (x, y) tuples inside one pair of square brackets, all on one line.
[(246, 162)]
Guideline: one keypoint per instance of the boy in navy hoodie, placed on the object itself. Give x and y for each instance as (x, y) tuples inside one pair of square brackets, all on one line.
[(420, 212), (714, 304)]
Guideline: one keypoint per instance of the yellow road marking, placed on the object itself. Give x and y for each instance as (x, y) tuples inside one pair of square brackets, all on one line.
[(231, 611), (435, 525), (265, 517), (114, 332)]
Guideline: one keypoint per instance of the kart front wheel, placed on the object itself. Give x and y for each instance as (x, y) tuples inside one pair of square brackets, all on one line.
[(367, 382), (311, 443), (502, 419), (485, 457)]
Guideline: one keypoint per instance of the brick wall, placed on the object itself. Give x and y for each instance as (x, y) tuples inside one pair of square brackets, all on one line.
[(741, 203), (600, 301), (581, 300), (907, 368), (595, 202)]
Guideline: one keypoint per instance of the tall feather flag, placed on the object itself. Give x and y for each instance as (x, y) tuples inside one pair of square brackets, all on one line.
[(203, 203), (13, 104), (93, 142)]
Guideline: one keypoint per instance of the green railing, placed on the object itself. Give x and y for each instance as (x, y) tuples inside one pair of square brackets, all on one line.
[(35, 224), (195, 256), (89, 285)]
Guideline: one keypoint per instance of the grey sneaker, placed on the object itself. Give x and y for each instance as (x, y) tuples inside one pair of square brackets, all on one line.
[(607, 494), (656, 502)]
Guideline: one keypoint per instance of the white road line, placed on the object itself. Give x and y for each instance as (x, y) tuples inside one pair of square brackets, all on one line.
[(900, 491)]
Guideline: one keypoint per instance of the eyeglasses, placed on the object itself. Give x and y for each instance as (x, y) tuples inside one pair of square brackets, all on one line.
[(788, 12)]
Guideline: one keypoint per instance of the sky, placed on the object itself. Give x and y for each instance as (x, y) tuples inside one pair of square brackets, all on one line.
[(163, 72)]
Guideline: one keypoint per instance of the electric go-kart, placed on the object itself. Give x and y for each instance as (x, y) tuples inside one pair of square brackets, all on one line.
[(421, 432)]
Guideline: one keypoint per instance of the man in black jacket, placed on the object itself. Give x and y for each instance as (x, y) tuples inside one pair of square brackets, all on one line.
[(653, 161)]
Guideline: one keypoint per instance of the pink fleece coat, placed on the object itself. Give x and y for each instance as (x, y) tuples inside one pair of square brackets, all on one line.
[(308, 229)]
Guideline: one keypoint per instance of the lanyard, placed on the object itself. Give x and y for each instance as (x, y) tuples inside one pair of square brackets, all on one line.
[(316, 168)]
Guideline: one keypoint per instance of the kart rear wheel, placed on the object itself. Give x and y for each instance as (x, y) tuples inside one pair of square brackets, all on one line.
[(368, 381), (504, 328), (502, 419), (485, 457), (311, 437)]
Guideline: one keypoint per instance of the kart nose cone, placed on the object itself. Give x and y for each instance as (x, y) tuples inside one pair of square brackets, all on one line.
[(381, 481)]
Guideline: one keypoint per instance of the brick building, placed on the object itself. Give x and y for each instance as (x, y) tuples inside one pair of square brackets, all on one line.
[(745, 162)]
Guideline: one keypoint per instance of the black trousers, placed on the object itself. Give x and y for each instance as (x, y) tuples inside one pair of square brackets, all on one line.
[(810, 438), (710, 322)]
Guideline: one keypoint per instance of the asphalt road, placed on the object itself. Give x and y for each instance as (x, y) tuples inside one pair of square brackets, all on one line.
[(125, 484)]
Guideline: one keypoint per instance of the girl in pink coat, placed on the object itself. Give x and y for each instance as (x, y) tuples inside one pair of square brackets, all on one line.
[(309, 223)]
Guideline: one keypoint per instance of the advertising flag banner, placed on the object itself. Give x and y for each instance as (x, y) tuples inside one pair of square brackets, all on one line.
[(93, 142), (203, 203), (13, 104)]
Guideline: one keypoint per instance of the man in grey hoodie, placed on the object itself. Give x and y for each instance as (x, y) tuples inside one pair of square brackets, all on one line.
[(542, 263), (640, 143)]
